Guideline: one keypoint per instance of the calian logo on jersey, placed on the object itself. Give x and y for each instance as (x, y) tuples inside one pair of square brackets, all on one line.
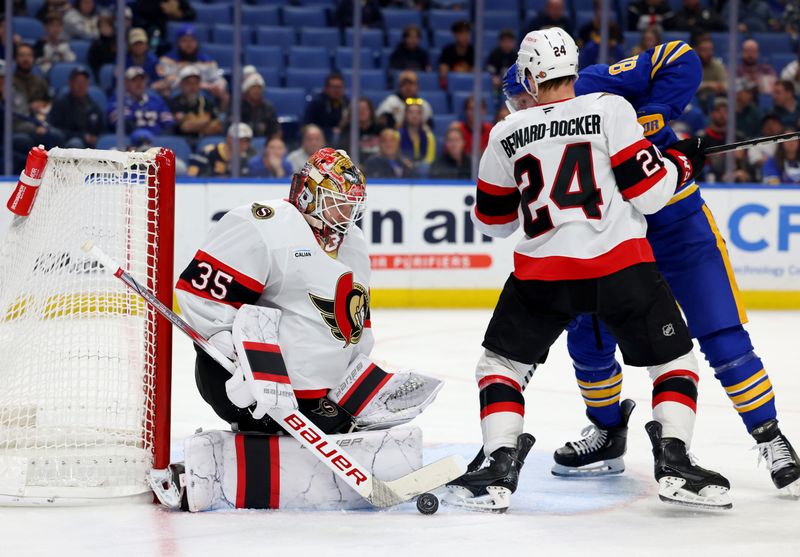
[(347, 313)]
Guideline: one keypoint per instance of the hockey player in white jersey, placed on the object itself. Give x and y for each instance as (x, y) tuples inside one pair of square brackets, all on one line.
[(578, 175), (303, 258)]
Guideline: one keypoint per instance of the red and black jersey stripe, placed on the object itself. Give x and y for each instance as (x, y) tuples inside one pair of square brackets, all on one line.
[(637, 168), (364, 389), (266, 362), (210, 278), (500, 394), (258, 467), (676, 386), (496, 205)]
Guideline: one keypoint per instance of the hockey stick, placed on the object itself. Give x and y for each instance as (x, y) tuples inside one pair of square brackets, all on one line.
[(476, 462), (767, 140), (377, 492)]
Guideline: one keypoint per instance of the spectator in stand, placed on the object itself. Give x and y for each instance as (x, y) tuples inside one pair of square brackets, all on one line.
[(139, 54), (371, 15), (215, 160), (770, 125), (715, 135), (103, 49), (368, 129), (453, 163), (694, 17), (19, 9), (75, 114), (272, 163), (257, 112), (755, 16), (35, 89), (589, 38), (785, 105), (52, 48), (325, 109), (17, 40), (143, 109), (185, 53), (784, 167), (647, 13), (196, 114), (791, 72), (311, 140), (416, 138), (552, 15), (459, 55), (80, 21), (21, 142), (748, 115), (760, 73), (790, 20), (649, 38), (408, 54), (502, 57), (715, 77), (466, 125), (393, 108), (153, 15), (390, 161), (60, 7)]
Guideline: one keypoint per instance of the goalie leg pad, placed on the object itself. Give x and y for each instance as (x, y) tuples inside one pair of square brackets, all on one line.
[(379, 400), (227, 470)]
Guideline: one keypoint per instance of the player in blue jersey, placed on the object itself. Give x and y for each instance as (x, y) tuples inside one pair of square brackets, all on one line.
[(690, 253)]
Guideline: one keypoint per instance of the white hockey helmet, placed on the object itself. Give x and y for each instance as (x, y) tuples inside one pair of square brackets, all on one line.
[(546, 54)]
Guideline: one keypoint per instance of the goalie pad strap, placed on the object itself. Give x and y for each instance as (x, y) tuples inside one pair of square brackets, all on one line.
[(363, 389), (258, 472), (266, 361)]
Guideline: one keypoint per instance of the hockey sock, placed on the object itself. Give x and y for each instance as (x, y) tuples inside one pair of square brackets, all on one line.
[(742, 375), (675, 396), (601, 392), (501, 401)]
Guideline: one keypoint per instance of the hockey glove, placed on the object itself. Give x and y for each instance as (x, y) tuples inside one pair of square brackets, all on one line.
[(689, 156)]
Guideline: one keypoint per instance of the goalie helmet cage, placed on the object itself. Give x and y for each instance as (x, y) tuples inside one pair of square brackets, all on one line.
[(84, 364)]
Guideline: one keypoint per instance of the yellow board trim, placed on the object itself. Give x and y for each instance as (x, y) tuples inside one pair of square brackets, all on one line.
[(472, 298), (603, 383), (601, 404), (756, 404), (728, 267), (757, 376), (604, 393), (752, 394)]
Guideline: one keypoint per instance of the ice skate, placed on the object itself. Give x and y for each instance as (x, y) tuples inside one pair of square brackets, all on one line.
[(600, 451), (169, 486), (489, 488), (680, 481), (774, 448)]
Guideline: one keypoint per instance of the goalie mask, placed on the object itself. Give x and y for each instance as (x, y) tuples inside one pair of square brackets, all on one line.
[(331, 191)]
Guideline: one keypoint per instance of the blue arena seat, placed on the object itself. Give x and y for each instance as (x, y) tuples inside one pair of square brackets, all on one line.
[(458, 98), (438, 100), (287, 101), (765, 102), (397, 19), (276, 36), (442, 121), (260, 15), (259, 55), (178, 144), (327, 37), (442, 38), (272, 76), (537, 5), (304, 57), (781, 59), (583, 17), (308, 79), (497, 20), (300, 16), (395, 35), (209, 140), (222, 53), (375, 96), (223, 34), (465, 81), (81, 50), (344, 59), (201, 31), (774, 43), (58, 76), (507, 5), (669, 36), (370, 79), (109, 141), (442, 20), (370, 38), (212, 13), (29, 28), (106, 77)]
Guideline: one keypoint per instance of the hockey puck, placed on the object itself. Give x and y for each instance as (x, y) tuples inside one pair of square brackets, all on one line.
[(427, 503)]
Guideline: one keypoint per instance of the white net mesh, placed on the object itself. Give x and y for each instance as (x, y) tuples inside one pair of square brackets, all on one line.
[(77, 373)]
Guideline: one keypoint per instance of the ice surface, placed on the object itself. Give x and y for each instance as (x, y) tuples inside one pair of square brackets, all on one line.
[(549, 516)]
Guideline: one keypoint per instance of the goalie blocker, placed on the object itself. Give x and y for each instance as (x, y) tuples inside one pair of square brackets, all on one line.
[(234, 470)]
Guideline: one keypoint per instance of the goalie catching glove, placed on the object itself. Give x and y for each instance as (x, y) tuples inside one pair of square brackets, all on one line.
[(689, 156)]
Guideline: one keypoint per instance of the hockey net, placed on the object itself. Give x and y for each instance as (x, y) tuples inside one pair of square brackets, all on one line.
[(84, 365)]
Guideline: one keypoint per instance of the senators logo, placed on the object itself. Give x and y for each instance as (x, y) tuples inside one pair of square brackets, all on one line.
[(347, 313)]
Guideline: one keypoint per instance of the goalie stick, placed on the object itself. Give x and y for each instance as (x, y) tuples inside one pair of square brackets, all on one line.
[(747, 144), (377, 492)]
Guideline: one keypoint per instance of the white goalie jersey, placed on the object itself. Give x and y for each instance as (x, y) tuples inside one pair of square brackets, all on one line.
[(266, 254), (578, 175)]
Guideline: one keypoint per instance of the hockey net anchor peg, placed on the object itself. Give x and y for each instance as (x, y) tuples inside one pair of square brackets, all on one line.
[(377, 492)]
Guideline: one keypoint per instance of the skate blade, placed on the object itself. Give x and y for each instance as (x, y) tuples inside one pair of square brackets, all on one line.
[(593, 470), (497, 499), (710, 498), (791, 491)]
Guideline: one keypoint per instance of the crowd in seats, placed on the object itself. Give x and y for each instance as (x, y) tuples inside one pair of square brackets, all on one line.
[(416, 77)]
